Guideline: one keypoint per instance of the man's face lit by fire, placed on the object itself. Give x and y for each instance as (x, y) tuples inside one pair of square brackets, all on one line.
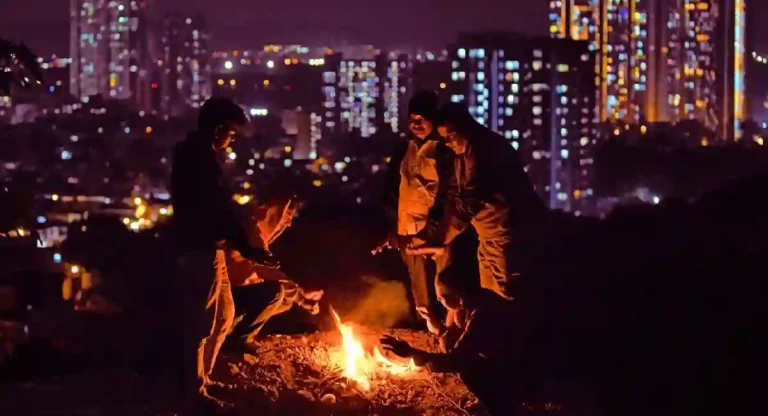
[(224, 135), (420, 126), (453, 139), (451, 301)]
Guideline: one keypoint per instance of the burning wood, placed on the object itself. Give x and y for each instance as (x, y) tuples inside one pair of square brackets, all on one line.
[(324, 373), (360, 366)]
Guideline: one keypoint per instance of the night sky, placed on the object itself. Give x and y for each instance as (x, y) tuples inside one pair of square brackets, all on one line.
[(250, 23)]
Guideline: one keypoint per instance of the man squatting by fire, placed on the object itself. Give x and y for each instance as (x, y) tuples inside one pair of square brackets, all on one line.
[(208, 231)]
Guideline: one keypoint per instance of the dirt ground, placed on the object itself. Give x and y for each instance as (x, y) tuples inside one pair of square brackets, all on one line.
[(283, 375), (291, 375)]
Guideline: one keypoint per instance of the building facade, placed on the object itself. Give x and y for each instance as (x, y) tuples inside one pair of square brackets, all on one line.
[(110, 50), (539, 94), (664, 60), (185, 64)]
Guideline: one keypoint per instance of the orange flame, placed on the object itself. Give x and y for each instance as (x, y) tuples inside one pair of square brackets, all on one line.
[(359, 365)]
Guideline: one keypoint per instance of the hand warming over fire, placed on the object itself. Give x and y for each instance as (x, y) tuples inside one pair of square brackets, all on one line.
[(397, 346), (309, 301)]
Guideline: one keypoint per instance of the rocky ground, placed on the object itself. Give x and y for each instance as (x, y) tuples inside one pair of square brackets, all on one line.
[(292, 375)]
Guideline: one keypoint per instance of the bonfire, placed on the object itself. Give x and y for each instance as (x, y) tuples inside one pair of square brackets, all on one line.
[(341, 372)]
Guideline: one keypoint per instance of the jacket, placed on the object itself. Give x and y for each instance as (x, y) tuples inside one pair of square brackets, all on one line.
[(422, 191), (205, 214), (490, 188)]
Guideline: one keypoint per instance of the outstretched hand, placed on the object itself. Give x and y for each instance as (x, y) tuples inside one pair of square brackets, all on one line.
[(310, 301), (396, 346)]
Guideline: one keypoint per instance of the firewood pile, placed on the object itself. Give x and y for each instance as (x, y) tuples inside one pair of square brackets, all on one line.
[(289, 375)]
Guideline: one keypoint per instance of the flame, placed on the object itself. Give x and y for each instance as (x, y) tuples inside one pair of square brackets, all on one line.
[(358, 364)]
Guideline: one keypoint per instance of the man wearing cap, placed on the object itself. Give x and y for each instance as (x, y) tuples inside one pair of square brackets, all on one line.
[(419, 174)]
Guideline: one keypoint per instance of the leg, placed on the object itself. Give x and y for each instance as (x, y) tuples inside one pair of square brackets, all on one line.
[(197, 283), (421, 283), (256, 303), (222, 304)]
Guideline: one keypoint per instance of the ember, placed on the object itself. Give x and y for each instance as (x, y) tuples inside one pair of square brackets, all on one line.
[(357, 364)]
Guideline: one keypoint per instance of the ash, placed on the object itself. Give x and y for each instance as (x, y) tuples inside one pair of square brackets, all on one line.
[(289, 375)]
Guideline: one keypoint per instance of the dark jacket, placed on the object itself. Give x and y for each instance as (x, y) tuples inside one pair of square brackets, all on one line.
[(391, 196), (490, 177), (205, 214)]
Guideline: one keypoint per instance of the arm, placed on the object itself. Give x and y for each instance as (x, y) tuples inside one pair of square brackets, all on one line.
[(463, 201), (466, 353)]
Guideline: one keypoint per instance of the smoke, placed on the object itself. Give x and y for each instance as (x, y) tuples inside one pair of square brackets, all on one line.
[(383, 304)]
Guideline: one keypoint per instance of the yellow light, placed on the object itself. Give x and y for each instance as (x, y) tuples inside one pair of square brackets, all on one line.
[(55, 197), (242, 199), (317, 182), (247, 185), (442, 85), (288, 149), (140, 211), (576, 193), (163, 211), (643, 129), (387, 159), (266, 82), (759, 140), (617, 132), (126, 221), (137, 201), (704, 142), (229, 150), (287, 61), (74, 269), (232, 82), (220, 81), (148, 130)]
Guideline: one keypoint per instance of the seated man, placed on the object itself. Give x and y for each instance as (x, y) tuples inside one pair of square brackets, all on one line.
[(261, 292), (487, 344)]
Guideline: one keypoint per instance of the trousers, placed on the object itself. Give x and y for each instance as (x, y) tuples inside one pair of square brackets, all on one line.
[(422, 272), (209, 312), (256, 303)]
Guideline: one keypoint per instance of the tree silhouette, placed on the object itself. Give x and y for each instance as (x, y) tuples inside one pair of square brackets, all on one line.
[(18, 66)]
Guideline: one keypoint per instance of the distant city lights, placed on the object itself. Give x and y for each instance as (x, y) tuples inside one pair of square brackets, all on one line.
[(228, 65), (66, 155), (258, 112)]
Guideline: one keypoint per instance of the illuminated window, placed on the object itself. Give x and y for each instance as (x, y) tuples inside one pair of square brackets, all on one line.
[(536, 65), (562, 68)]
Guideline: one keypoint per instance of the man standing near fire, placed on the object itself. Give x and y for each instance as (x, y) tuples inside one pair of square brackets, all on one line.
[(206, 226), (491, 191), (419, 174)]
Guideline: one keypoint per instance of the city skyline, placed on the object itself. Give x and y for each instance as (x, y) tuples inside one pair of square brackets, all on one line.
[(427, 23)]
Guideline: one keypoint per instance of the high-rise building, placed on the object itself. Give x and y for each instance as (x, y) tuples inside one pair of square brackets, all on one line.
[(619, 31), (110, 50), (539, 94), (366, 94), (664, 60), (705, 48), (185, 66)]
